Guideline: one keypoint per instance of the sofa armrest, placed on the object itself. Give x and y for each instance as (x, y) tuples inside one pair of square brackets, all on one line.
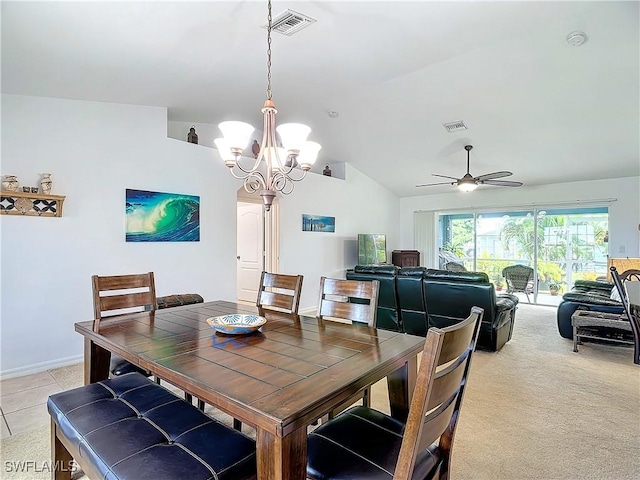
[(178, 300), (377, 269), (593, 285), (506, 302), (590, 299)]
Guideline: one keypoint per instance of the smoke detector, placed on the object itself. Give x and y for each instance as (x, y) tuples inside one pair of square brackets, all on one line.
[(290, 22), (454, 126), (575, 39)]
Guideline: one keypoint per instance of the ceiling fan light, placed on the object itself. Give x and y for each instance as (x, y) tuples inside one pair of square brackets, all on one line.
[(467, 186)]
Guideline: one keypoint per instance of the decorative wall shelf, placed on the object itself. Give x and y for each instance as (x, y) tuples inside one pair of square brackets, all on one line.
[(31, 204)]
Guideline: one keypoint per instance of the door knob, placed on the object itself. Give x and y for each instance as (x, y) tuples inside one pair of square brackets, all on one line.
[(238, 257)]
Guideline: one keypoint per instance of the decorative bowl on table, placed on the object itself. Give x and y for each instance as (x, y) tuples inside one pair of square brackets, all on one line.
[(236, 324)]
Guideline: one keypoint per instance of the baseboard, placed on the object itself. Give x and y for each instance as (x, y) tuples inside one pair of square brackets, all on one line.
[(40, 367)]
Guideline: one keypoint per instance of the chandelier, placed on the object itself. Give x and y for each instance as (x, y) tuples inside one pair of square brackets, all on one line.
[(279, 172)]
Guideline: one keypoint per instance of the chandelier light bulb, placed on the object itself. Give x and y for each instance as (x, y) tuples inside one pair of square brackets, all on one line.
[(236, 134), (308, 154), (225, 152), (275, 156), (293, 135)]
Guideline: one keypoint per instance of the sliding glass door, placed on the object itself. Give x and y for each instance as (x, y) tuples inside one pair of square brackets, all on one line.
[(573, 246), (561, 245)]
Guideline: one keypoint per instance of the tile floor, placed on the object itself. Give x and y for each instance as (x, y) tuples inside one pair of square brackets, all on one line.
[(23, 399)]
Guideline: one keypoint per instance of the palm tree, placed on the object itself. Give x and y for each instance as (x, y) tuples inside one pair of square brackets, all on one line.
[(518, 233)]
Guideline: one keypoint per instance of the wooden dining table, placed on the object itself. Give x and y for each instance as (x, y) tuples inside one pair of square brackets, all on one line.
[(279, 380)]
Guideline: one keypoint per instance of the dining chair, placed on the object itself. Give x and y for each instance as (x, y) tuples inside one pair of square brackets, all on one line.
[(630, 275), (618, 281), (121, 294), (354, 301), (365, 443), (279, 292)]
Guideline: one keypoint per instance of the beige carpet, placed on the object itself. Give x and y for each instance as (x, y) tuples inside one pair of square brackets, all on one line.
[(533, 410)]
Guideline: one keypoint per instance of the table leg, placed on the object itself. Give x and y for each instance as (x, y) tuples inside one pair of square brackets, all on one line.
[(282, 458), (96, 362), (401, 384), (61, 460)]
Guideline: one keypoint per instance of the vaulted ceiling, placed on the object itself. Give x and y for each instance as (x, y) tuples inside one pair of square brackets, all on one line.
[(394, 71)]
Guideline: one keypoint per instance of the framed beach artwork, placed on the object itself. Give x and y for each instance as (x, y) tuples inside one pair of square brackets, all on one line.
[(318, 223), (162, 217)]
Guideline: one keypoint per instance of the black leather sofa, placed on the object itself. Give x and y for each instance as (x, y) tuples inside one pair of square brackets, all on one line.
[(413, 299), (585, 295)]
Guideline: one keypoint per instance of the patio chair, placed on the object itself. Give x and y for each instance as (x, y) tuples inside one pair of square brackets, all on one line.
[(454, 267), (519, 278)]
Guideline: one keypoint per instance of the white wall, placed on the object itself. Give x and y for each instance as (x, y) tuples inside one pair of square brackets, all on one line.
[(624, 213), (359, 205), (97, 150), (207, 132)]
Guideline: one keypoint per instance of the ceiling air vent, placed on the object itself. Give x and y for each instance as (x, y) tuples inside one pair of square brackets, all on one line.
[(290, 22), (455, 126)]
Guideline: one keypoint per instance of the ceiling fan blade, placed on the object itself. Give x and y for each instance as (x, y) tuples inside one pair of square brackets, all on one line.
[(445, 176), (432, 184), (501, 183), (491, 176)]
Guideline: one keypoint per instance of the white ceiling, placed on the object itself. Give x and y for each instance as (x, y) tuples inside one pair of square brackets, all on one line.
[(395, 71)]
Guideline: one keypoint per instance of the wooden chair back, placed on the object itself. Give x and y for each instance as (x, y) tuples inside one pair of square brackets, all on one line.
[(631, 275), (618, 281), (279, 292), (439, 391), (122, 292), (354, 300)]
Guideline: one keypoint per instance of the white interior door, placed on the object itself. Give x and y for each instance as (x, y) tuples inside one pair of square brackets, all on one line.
[(249, 248)]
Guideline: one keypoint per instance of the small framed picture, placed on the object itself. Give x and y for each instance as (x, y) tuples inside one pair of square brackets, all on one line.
[(34, 189), (26, 189)]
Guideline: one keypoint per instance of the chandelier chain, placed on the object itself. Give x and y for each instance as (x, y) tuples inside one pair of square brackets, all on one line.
[(275, 168), (269, 52)]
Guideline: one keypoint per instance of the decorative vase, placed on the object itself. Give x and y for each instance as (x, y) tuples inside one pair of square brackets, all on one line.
[(10, 183), (46, 183)]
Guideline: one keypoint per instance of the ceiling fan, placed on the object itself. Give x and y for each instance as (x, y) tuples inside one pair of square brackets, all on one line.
[(468, 182)]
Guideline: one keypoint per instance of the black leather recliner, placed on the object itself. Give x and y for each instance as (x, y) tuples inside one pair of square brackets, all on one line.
[(585, 295), (449, 297), (424, 298)]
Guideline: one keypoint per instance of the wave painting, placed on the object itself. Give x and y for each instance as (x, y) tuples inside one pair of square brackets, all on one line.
[(162, 217)]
